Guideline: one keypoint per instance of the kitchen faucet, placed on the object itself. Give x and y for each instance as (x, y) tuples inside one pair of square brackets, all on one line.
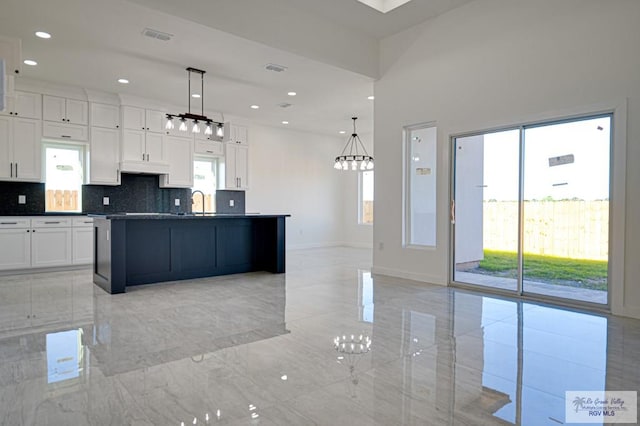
[(192, 194)]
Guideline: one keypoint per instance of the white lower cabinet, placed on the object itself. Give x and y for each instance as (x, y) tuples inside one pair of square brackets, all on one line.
[(43, 242), (15, 248), (50, 247)]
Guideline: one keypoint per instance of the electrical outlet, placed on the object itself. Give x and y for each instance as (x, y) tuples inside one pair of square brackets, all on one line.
[(231, 203), (22, 199), (105, 201), (176, 202)]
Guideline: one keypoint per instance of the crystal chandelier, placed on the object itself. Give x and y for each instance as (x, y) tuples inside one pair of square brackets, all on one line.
[(354, 156), (195, 120)]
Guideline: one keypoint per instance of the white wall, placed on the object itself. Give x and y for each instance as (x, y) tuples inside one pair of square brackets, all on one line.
[(291, 172), (499, 62)]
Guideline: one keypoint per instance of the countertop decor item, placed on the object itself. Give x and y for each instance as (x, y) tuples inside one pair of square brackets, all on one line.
[(354, 156), (196, 119)]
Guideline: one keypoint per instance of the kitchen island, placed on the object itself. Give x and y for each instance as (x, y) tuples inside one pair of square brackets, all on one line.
[(134, 249)]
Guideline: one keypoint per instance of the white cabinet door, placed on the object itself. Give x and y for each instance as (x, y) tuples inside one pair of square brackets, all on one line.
[(242, 135), (211, 148), (15, 249), (54, 108), (28, 105), (82, 245), (104, 156), (51, 247), (236, 166), (179, 153), (154, 147), (26, 149), (77, 112), (242, 166), (154, 121), (133, 145), (231, 181), (133, 118), (6, 142), (104, 115)]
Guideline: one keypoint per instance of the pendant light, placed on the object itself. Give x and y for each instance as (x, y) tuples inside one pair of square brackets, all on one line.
[(196, 119), (354, 156)]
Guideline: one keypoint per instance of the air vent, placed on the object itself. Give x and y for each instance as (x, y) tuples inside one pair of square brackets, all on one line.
[(275, 67), (284, 105), (157, 34)]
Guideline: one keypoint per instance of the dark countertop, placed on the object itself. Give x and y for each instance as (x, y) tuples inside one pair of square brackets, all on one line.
[(188, 216)]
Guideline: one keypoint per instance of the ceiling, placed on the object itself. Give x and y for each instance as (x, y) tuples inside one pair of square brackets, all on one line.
[(329, 47)]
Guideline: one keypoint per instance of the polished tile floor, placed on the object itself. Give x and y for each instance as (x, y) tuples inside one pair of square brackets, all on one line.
[(261, 349)]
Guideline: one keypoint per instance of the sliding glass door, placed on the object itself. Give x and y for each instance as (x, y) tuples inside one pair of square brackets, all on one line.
[(530, 209)]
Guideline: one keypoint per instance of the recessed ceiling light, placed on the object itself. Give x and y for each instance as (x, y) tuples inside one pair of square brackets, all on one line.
[(43, 34), (285, 122), (342, 132), (371, 98), (30, 62), (255, 106), (123, 81), (291, 93), (195, 95)]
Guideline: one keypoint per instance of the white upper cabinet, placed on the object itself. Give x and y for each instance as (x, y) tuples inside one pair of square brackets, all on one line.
[(105, 115), (154, 121), (236, 133), (134, 118), (104, 156), (24, 105), (20, 149), (179, 152), (70, 111), (236, 166)]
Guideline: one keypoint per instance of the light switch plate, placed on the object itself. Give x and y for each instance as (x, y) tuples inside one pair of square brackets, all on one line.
[(105, 201), (176, 202), (22, 199)]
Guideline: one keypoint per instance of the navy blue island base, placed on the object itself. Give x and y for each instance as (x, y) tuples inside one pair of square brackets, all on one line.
[(150, 248)]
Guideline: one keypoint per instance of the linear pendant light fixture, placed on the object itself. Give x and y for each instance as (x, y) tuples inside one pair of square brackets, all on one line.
[(196, 119), (354, 156)]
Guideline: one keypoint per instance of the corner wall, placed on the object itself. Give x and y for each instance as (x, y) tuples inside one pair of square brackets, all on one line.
[(494, 63), (291, 172)]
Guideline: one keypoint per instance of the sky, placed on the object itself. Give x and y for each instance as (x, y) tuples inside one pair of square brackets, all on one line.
[(586, 178)]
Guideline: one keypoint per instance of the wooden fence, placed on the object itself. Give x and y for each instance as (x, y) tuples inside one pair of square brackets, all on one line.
[(61, 200), (573, 229)]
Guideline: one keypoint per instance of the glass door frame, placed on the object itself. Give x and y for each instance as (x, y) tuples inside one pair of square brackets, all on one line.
[(520, 292)]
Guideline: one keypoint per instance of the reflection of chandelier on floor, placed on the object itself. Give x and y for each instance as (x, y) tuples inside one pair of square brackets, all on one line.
[(350, 349), (354, 156)]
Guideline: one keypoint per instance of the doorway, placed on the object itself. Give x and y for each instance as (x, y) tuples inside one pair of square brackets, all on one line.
[(530, 209)]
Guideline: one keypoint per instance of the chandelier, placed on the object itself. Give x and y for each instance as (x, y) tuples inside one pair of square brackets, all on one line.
[(195, 120), (354, 156)]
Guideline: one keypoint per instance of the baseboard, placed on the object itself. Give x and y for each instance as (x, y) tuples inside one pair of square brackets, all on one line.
[(312, 245), (426, 278), (359, 245), (48, 269)]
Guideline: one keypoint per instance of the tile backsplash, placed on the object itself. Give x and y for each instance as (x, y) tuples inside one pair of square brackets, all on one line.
[(137, 193)]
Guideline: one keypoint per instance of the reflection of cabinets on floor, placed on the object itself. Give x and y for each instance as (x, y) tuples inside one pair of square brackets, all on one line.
[(40, 301)]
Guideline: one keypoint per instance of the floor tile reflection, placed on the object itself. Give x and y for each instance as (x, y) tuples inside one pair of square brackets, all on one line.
[(259, 349)]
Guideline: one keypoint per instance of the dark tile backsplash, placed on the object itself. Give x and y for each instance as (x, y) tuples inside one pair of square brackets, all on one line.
[(9, 192), (135, 194)]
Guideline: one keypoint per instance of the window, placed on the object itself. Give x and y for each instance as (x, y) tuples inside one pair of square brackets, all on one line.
[(365, 210), (420, 185), (205, 180), (64, 175)]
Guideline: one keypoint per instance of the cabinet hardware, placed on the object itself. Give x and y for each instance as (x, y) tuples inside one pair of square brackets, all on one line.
[(16, 169), (34, 231), (11, 167), (65, 136), (8, 223), (28, 230), (87, 221), (10, 113), (15, 113), (210, 152), (117, 127), (51, 223)]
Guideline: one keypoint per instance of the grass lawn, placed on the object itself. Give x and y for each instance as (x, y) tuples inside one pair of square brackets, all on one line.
[(554, 270)]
